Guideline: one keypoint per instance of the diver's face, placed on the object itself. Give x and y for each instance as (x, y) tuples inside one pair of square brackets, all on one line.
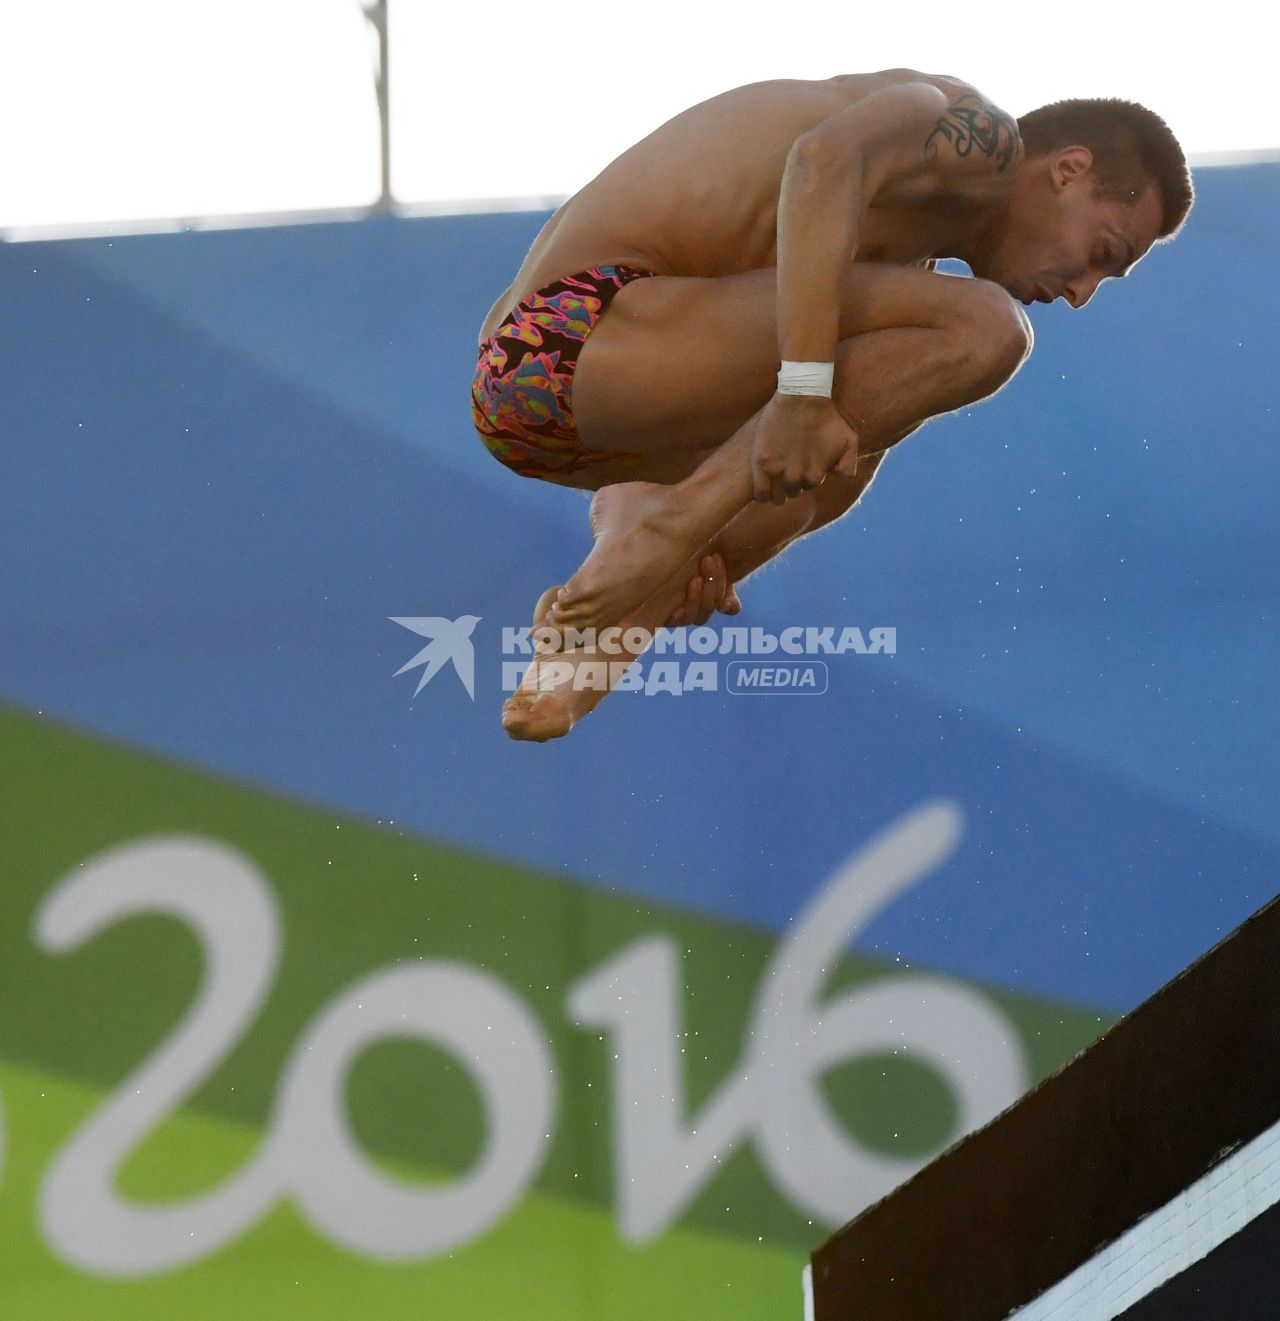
[(1058, 239)]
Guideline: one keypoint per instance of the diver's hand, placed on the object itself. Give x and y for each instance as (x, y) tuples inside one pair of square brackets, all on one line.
[(707, 591), (800, 439)]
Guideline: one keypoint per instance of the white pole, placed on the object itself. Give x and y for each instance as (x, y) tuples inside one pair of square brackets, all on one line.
[(376, 12)]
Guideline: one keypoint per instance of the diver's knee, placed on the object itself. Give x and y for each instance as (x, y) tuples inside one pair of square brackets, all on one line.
[(1000, 329)]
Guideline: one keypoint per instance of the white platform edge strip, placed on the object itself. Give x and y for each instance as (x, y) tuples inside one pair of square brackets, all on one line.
[(806, 1281), (1164, 1243)]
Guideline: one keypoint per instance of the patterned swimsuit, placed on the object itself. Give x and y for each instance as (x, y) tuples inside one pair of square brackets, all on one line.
[(521, 399)]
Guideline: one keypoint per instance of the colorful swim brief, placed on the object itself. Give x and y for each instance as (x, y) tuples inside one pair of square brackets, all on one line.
[(521, 400)]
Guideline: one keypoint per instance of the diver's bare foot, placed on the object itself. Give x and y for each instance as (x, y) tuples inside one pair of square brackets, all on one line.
[(642, 541), (536, 717), (562, 686), (537, 710)]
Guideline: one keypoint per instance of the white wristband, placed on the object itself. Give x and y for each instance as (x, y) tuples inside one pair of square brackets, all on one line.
[(806, 378)]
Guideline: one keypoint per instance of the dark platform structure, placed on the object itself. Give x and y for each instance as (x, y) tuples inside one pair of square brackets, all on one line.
[(1141, 1180)]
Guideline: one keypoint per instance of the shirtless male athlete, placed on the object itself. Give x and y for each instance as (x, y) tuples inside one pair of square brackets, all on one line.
[(637, 352)]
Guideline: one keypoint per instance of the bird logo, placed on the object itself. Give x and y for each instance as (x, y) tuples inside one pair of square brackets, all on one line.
[(450, 640)]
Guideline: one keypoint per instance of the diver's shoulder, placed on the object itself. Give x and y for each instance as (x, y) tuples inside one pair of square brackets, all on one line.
[(952, 86)]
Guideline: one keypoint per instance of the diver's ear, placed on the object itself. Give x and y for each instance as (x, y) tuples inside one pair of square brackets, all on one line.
[(1070, 165)]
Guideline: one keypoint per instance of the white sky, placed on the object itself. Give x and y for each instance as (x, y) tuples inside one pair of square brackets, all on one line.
[(118, 109)]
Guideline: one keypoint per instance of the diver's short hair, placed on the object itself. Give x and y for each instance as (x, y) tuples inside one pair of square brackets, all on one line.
[(1131, 146)]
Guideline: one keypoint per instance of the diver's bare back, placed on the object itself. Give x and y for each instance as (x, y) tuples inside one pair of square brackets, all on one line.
[(699, 195)]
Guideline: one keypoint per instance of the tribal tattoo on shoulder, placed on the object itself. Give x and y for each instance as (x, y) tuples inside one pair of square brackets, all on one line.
[(972, 124)]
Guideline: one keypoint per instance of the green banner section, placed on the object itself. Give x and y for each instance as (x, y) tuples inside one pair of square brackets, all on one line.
[(550, 1259), (344, 1027)]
